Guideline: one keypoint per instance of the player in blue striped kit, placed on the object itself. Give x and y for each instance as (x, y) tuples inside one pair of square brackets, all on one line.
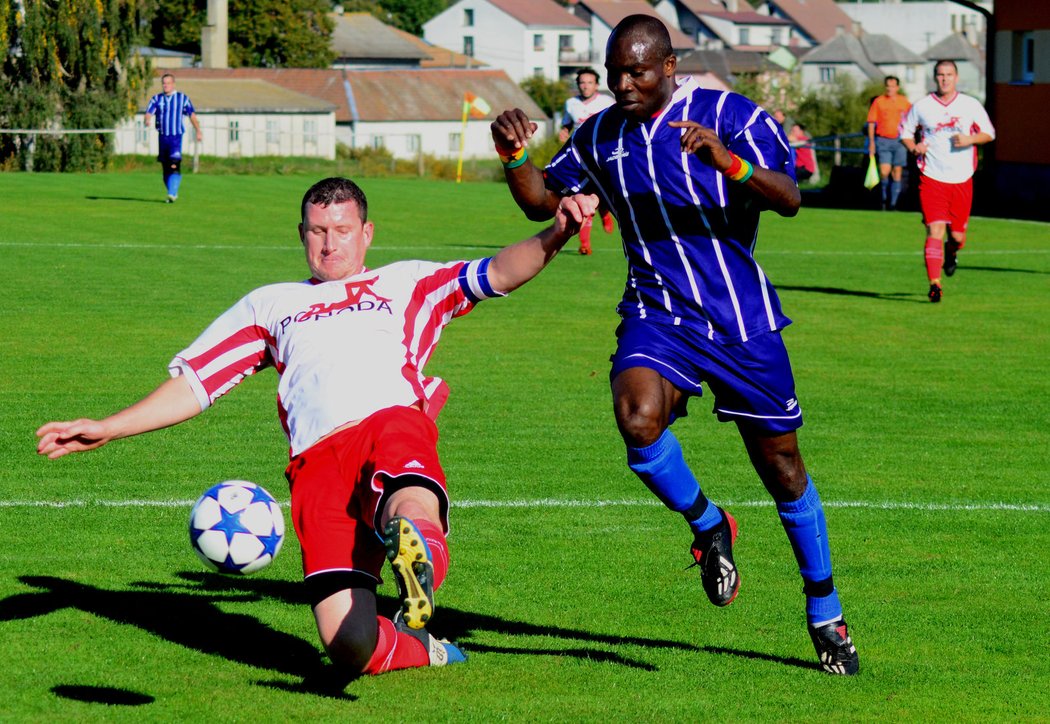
[(687, 172), (169, 107)]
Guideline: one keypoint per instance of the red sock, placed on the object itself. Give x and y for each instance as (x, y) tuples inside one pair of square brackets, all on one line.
[(934, 254), (435, 539), (585, 232), (395, 650)]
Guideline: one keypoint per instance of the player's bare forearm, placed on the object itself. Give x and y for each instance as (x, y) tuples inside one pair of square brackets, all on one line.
[(511, 131), (518, 263), (170, 403), (779, 192)]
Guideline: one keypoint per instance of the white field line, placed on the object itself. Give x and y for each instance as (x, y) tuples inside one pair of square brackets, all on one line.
[(617, 250), (559, 503)]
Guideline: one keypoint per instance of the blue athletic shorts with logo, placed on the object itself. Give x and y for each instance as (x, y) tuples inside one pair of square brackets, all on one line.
[(170, 148), (891, 151), (751, 381)]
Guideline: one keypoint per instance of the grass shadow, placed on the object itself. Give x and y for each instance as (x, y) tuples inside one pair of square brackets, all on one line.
[(838, 291), (125, 198)]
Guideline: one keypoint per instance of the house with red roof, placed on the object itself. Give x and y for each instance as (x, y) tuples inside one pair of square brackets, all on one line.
[(524, 38)]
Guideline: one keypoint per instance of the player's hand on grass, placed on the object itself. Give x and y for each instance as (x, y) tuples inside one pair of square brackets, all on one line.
[(705, 143), (512, 130), (61, 438), (572, 212)]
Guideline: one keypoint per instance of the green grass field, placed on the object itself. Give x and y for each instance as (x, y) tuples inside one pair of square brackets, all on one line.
[(927, 433)]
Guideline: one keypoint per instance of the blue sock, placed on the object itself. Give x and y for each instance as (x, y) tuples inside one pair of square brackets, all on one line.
[(173, 183), (806, 528), (895, 192), (884, 184), (662, 468)]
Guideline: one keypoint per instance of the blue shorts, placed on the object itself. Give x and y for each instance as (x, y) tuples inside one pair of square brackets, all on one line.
[(170, 148), (891, 151), (751, 381)]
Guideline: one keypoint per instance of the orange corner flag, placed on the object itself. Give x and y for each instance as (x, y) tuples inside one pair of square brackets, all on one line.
[(475, 105)]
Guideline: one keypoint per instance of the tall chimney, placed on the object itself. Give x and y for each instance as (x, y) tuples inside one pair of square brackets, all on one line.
[(215, 36)]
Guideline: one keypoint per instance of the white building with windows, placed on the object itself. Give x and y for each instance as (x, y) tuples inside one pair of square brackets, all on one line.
[(920, 25), (524, 38), (240, 117), (868, 57)]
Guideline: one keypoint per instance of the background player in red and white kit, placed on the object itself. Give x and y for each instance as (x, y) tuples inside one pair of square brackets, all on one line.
[(349, 344), (577, 110), (953, 125)]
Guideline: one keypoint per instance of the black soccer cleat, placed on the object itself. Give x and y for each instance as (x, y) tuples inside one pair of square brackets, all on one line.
[(409, 556), (935, 293), (713, 552), (835, 648), (951, 260)]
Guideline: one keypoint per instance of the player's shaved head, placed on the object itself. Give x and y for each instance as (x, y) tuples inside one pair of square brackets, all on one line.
[(645, 35), (335, 190)]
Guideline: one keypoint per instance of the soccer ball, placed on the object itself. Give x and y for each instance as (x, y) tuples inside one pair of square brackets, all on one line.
[(236, 527)]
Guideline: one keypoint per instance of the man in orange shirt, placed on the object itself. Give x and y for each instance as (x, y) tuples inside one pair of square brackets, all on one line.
[(884, 119)]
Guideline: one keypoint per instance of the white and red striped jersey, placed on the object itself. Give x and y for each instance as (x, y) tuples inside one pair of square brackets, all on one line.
[(343, 349), (577, 109), (940, 121)]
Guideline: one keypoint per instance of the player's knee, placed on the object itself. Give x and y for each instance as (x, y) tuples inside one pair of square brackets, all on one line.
[(350, 650), (641, 422)]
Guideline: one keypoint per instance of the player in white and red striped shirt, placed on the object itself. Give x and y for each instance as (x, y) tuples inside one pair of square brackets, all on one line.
[(953, 125), (350, 345)]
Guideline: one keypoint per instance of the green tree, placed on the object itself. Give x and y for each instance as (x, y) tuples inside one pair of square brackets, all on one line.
[(262, 33), (71, 64), (409, 15), (550, 95)]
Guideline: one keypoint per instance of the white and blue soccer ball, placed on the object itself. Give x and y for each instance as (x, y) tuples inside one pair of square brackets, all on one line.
[(236, 527)]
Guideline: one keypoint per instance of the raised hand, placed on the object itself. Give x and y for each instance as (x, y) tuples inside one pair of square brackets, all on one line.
[(512, 129)]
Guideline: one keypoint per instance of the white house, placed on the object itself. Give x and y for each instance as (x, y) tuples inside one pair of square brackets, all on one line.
[(408, 111), (240, 117), (522, 37), (919, 25), (715, 25), (866, 58), (602, 16)]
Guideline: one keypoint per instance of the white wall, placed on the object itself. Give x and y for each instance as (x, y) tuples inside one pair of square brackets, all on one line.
[(501, 41), (254, 134), (405, 139), (917, 25)]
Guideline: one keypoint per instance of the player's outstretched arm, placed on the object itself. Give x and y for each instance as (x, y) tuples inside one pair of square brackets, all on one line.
[(171, 403), (511, 132), (779, 191), (518, 263)]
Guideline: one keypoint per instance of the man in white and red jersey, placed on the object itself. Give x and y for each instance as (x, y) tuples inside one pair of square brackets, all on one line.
[(349, 344), (953, 125), (577, 110)]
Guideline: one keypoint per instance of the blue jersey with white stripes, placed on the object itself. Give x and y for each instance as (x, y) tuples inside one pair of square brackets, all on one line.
[(688, 232), (169, 111)]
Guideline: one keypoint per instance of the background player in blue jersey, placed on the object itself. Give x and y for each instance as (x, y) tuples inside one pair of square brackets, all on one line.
[(687, 172), (169, 107)]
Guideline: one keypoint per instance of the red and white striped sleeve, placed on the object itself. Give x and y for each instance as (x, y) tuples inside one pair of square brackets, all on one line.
[(231, 348)]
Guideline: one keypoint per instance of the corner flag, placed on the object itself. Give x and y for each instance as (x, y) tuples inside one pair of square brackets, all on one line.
[(478, 108), (475, 105)]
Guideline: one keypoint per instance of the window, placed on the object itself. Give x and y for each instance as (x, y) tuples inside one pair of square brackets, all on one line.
[(537, 41), (141, 132), (538, 72), (774, 37), (235, 131), (468, 18), (273, 132), (909, 74), (745, 36), (565, 43), (378, 142), (414, 143), (827, 74), (468, 46), (453, 142), (1023, 70), (310, 131)]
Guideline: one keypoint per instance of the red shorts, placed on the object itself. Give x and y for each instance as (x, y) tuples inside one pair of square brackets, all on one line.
[(946, 203), (338, 486)]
